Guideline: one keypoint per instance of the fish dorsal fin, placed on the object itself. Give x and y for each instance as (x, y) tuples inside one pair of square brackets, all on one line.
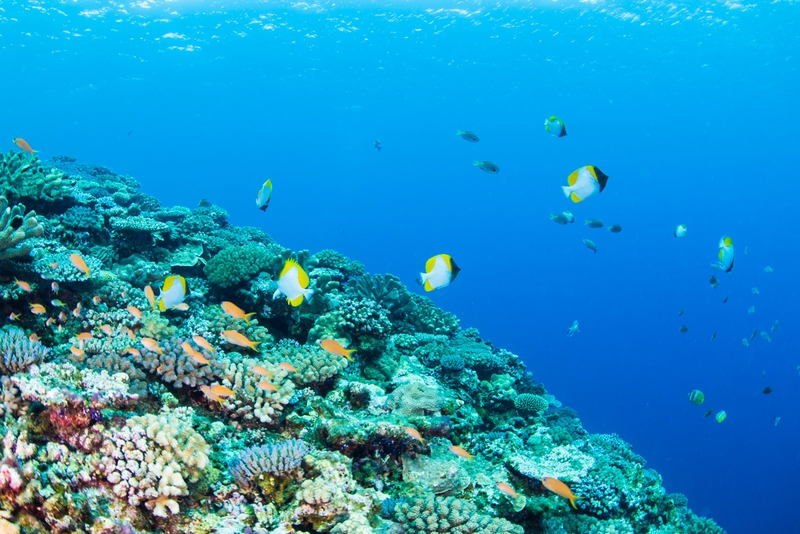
[(287, 266), (182, 280), (296, 301), (575, 198), (168, 283), (269, 183), (728, 241), (448, 261), (573, 178), (429, 265), (302, 277)]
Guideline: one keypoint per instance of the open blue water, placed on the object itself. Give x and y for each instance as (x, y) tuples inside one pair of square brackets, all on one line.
[(691, 108)]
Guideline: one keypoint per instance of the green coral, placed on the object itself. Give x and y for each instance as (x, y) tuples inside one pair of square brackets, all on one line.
[(24, 177), (528, 402), (447, 514), (12, 238), (234, 265)]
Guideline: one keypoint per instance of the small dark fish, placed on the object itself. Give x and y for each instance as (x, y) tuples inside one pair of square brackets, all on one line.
[(725, 299), (755, 333), (684, 329), (776, 420), (680, 312), (560, 219), (774, 326), (767, 390), (204, 203), (377, 144), (763, 374), (617, 228), (590, 245), (472, 137), (130, 132), (714, 282), (713, 336), (595, 223), (708, 413), (487, 166)]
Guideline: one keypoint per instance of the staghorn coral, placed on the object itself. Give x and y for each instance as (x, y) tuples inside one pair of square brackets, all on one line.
[(151, 459), (447, 514), (18, 352), (12, 237)]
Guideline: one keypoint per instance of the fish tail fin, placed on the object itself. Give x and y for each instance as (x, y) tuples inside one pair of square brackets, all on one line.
[(347, 354), (308, 293), (572, 501), (247, 317), (88, 274), (477, 163), (253, 346), (567, 190), (459, 132)]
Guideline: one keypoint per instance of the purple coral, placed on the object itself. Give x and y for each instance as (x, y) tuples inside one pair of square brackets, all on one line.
[(18, 352), (274, 458)]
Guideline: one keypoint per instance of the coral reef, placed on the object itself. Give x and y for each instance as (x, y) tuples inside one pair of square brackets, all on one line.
[(118, 417)]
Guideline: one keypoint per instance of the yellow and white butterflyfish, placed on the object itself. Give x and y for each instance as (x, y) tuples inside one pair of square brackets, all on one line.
[(440, 270), (173, 292), (293, 283), (555, 126), (584, 183), (264, 194), (726, 255)]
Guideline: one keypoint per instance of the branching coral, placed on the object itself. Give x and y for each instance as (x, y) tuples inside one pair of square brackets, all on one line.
[(254, 463), (24, 177), (447, 514), (18, 352), (12, 237), (152, 458)]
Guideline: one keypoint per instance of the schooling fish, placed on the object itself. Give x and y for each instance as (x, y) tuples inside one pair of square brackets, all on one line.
[(713, 281), (23, 145), (559, 488), (574, 329), (236, 312), (264, 195), (617, 228), (334, 347), (584, 183), (726, 255), (555, 126), (414, 433), (151, 296), (172, 293), (708, 413), (201, 342), (569, 216), (680, 231), (472, 137), (25, 286), (768, 269), (721, 416), (459, 451), (287, 367), (766, 336), (754, 334), (684, 329), (267, 386), (590, 245), (235, 338), (38, 309), (713, 336), (377, 144), (80, 264), (152, 345), (508, 490), (293, 283), (745, 342), (774, 326), (767, 390), (594, 223), (440, 270), (487, 166), (560, 219), (697, 397)]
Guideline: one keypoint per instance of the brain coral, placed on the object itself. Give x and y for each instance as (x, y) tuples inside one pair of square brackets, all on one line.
[(237, 264), (528, 402)]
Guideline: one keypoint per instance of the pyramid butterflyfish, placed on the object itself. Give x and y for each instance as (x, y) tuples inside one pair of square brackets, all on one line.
[(584, 183), (555, 126), (726, 255), (173, 292), (440, 270), (293, 283), (264, 194)]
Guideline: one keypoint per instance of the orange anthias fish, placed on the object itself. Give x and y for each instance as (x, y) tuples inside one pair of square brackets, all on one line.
[(107, 330), (136, 312), (181, 307), (266, 386), (76, 351), (23, 145), (151, 296), (53, 265), (131, 350), (287, 367), (222, 391), (79, 264), (261, 371), (458, 451), (85, 335), (201, 342), (25, 286), (14, 316), (235, 338), (334, 347), (208, 392), (97, 300), (559, 488), (34, 337), (508, 490), (38, 309), (236, 312), (414, 433), (190, 351), (151, 344)]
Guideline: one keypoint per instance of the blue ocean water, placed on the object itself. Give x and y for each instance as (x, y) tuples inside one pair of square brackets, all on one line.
[(690, 108)]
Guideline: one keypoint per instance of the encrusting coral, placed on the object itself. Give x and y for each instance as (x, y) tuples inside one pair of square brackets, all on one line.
[(120, 417)]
